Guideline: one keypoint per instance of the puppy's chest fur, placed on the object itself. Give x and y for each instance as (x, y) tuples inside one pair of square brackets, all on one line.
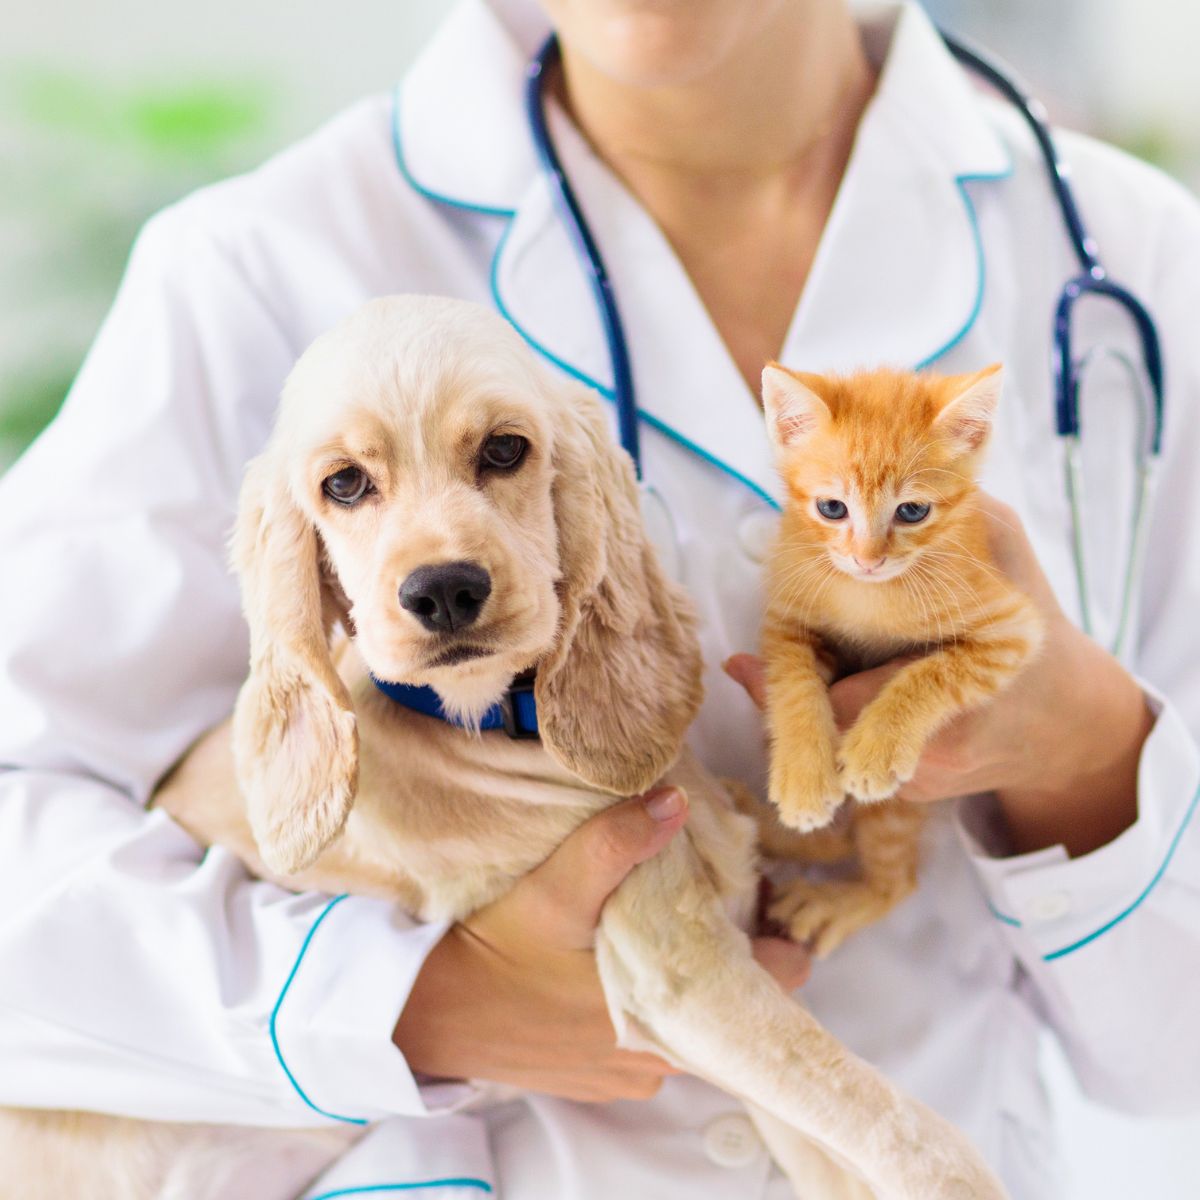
[(448, 820)]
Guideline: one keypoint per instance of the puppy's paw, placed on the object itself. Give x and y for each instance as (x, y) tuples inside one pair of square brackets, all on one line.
[(804, 787), (874, 765)]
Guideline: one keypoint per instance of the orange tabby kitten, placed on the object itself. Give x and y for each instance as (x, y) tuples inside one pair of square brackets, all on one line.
[(882, 551)]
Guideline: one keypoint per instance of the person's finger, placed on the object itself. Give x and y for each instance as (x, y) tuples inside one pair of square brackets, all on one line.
[(787, 961), (646, 1063), (561, 899), (851, 695), (749, 671)]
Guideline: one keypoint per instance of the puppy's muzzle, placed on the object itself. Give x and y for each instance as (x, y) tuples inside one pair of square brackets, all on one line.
[(446, 597)]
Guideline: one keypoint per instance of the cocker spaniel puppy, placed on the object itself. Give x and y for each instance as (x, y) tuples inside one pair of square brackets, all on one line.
[(432, 491)]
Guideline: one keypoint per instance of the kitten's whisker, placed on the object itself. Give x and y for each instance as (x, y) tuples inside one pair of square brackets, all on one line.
[(930, 471), (950, 577), (948, 539), (792, 585), (950, 598), (973, 559), (934, 607), (922, 596), (1000, 521), (817, 594), (917, 452)]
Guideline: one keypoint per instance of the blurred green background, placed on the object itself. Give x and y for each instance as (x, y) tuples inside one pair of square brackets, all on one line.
[(89, 158), (108, 112)]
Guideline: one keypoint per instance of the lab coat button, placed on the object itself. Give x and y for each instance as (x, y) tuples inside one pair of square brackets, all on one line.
[(1049, 906), (756, 533), (732, 1141)]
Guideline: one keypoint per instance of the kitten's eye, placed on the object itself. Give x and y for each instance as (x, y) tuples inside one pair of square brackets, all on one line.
[(832, 510), (347, 486), (912, 514), (503, 451)]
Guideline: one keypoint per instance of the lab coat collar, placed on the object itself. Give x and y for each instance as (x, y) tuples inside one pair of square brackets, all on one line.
[(461, 132), (899, 275)]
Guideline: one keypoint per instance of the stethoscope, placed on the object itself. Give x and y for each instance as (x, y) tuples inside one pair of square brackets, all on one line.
[(1069, 370)]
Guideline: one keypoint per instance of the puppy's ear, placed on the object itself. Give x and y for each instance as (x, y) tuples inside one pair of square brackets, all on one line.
[(622, 683), (295, 737)]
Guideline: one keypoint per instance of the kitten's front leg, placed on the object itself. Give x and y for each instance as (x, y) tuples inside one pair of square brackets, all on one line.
[(803, 784), (880, 752)]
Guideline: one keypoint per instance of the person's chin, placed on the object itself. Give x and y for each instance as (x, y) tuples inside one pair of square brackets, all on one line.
[(651, 43)]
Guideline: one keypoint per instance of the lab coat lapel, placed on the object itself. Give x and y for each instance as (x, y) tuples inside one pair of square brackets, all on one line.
[(900, 274), (898, 278), (460, 128)]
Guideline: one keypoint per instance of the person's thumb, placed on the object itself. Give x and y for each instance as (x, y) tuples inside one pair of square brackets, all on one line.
[(560, 901), (751, 672)]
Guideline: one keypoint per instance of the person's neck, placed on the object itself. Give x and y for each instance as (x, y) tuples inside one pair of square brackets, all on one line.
[(799, 82)]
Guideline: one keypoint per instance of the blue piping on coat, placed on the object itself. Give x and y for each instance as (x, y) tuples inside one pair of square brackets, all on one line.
[(479, 1185), (1125, 912), (483, 209), (279, 1003), (961, 182)]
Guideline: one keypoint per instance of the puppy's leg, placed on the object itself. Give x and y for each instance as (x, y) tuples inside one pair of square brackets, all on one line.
[(50, 1155), (670, 957), (813, 1170), (825, 912)]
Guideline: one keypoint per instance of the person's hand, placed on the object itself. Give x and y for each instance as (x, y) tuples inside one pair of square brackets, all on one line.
[(512, 994), (1060, 746)]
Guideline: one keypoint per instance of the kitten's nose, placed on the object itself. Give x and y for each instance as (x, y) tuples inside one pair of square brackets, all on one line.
[(867, 565)]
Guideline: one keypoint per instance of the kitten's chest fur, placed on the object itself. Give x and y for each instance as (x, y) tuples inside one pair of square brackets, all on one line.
[(864, 625)]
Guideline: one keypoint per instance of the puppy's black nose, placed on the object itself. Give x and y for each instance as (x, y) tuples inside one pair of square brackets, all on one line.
[(446, 597)]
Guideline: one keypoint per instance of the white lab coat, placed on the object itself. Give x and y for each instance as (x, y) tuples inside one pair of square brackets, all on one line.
[(140, 976)]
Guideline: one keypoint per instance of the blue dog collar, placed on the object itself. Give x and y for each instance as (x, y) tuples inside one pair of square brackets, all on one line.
[(515, 713)]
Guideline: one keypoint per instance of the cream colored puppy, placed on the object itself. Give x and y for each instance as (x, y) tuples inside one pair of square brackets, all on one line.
[(466, 517)]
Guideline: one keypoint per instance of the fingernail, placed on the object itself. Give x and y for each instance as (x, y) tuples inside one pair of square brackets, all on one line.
[(664, 803)]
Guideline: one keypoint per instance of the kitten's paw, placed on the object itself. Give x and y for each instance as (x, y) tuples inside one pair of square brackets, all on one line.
[(873, 766), (824, 914), (805, 788)]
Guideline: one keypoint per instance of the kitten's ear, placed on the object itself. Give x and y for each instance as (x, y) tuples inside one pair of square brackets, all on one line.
[(793, 409), (966, 418)]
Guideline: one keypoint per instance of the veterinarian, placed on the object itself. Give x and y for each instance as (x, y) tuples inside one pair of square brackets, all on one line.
[(766, 179)]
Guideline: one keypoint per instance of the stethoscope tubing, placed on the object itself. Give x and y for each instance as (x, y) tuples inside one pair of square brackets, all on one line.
[(1094, 279), (586, 249), (1066, 365)]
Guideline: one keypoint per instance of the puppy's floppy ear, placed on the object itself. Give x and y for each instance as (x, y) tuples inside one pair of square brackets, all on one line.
[(622, 683), (295, 736)]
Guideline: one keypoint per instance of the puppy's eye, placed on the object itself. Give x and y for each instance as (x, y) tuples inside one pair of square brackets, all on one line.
[(347, 486), (831, 510), (911, 513), (503, 451)]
